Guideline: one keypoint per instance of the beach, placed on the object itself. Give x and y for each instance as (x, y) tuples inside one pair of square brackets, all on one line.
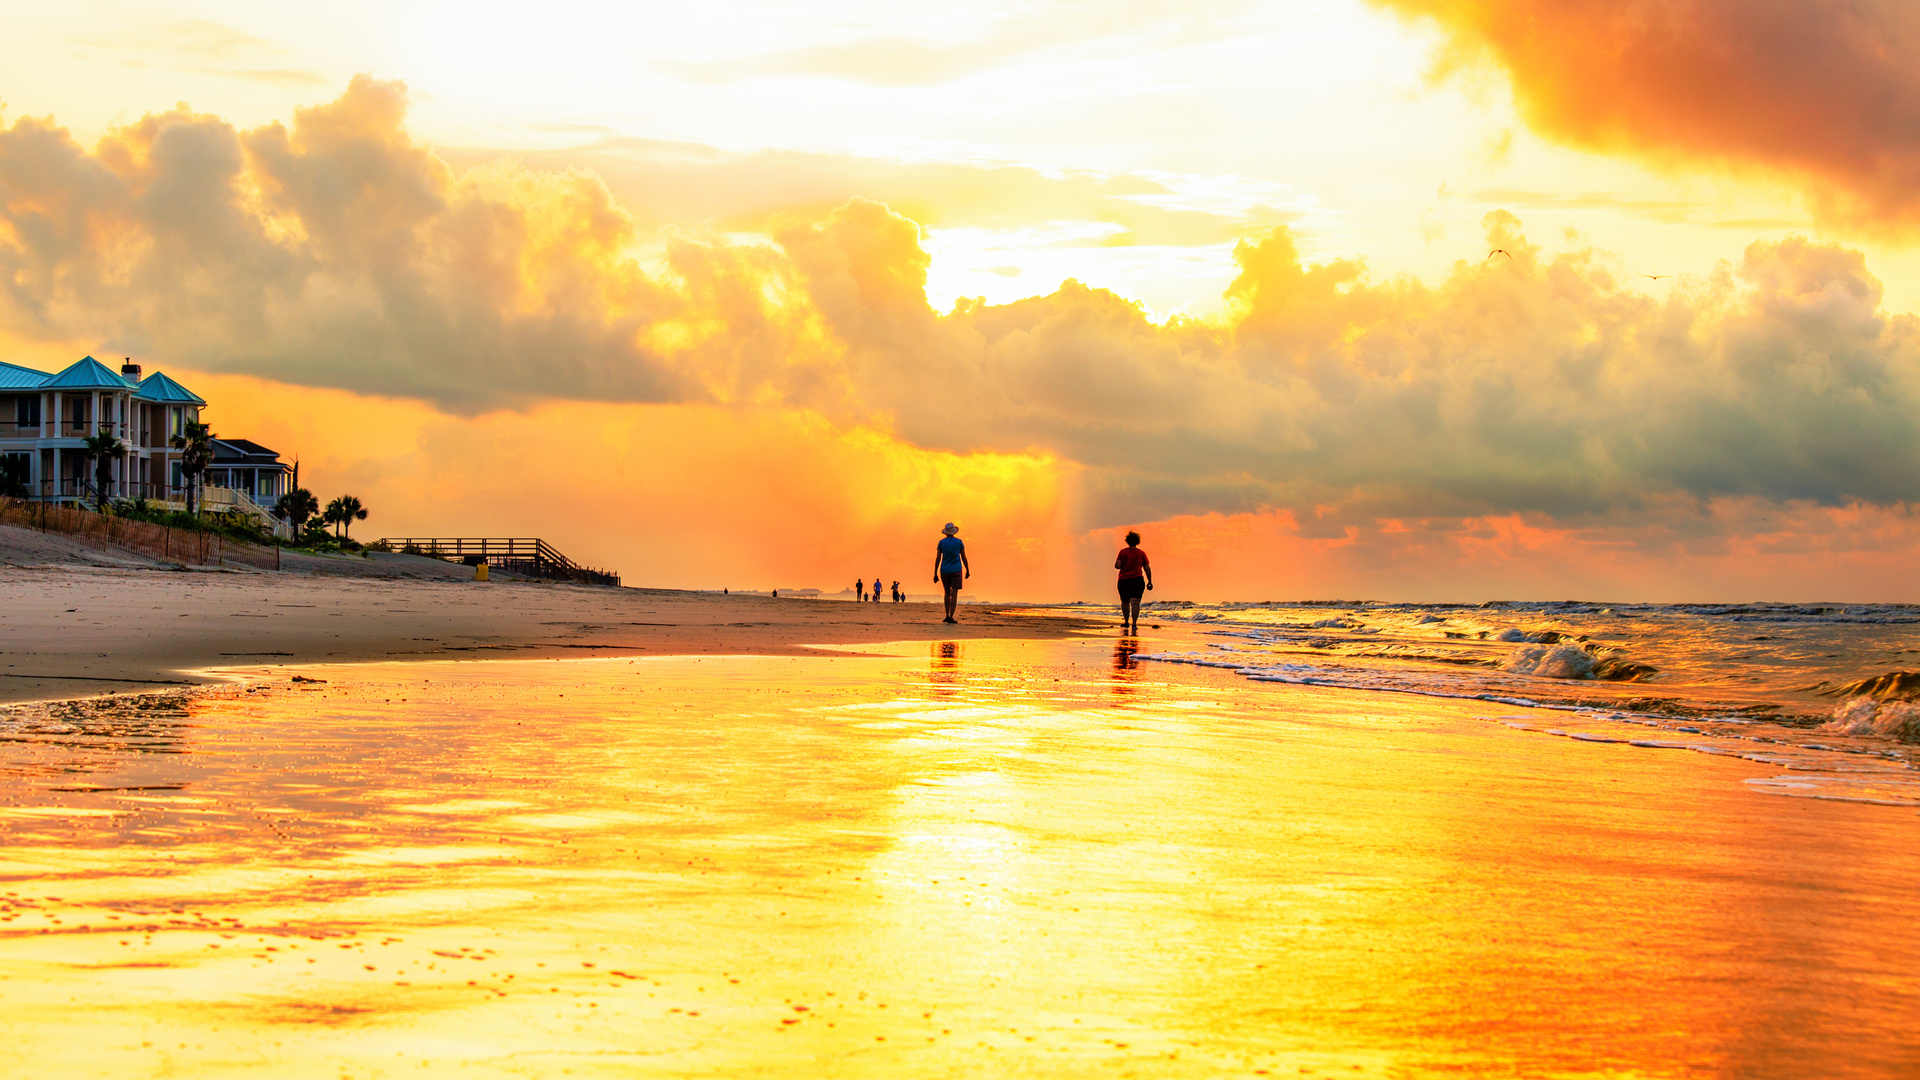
[(105, 627), (588, 849)]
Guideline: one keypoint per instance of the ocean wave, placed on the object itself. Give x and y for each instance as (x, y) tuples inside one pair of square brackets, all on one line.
[(1537, 637), (1556, 662), (1869, 716), (1575, 662), (1891, 686)]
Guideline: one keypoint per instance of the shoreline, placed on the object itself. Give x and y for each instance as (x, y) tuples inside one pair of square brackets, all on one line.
[(86, 632)]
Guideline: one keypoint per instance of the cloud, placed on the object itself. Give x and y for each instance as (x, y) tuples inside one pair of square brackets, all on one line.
[(1827, 90), (201, 39), (1533, 384), (880, 61), (338, 252), (273, 76), (1048, 29), (662, 182), (210, 48)]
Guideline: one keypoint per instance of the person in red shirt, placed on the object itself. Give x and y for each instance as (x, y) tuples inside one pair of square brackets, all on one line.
[(1136, 577)]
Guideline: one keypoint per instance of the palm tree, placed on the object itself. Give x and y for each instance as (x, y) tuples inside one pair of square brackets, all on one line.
[(196, 444), (101, 448), (343, 512), (297, 506)]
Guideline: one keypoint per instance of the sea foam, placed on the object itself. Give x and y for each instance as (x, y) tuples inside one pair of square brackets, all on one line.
[(1551, 662), (1866, 716)]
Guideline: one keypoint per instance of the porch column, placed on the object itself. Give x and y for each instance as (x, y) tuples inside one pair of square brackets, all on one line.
[(57, 398), (58, 477)]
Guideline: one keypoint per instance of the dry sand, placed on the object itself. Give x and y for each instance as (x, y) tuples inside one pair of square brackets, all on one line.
[(76, 630), (48, 550)]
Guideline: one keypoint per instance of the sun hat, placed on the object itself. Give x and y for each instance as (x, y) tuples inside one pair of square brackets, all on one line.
[(949, 528)]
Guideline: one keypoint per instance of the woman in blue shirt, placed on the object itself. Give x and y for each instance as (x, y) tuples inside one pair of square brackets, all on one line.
[(950, 566)]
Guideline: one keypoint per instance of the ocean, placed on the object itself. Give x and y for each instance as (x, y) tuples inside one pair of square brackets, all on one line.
[(1821, 689)]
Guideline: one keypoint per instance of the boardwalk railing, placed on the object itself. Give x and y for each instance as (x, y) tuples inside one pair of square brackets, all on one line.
[(531, 556), (188, 546)]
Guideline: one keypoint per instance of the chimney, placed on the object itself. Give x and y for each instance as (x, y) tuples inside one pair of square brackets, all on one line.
[(130, 369)]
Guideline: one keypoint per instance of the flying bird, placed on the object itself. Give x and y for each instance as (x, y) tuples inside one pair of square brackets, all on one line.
[(1655, 277), (1499, 251)]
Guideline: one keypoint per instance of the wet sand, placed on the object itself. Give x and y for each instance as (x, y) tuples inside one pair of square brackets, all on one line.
[(961, 859), (71, 631)]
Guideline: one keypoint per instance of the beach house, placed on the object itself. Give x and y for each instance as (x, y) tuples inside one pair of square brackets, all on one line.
[(53, 414)]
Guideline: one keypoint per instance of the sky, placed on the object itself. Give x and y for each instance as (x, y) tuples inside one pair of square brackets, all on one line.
[(1385, 299)]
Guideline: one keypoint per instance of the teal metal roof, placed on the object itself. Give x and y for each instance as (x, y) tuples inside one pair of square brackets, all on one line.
[(158, 387), (15, 377), (86, 374)]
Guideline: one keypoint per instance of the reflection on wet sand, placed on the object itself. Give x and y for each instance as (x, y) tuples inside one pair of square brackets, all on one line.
[(945, 670), (844, 866), (1126, 670)]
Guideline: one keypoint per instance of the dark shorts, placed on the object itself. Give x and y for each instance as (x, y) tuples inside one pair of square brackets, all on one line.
[(951, 581), (1133, 588)]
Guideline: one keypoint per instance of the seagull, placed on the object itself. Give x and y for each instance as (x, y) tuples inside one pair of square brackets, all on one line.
[(1655, 277), (1499, 251)]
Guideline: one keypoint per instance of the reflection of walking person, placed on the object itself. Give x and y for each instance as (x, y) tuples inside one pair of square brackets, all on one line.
[(950, 566), (1136, 577)]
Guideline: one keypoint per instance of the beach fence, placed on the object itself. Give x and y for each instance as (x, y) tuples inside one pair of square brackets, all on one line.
[(528, 555), (189, 547)]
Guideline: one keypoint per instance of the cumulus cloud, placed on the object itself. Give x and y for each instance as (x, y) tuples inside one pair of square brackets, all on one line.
[(338, 252), (1828, 89), (1523, 384)]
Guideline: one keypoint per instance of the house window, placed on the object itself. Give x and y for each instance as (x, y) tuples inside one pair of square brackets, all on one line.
[(174, 478), (26, 410), (18, 466), (177, 425)]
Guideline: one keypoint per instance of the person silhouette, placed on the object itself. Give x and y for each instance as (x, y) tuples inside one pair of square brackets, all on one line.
[(950, 566), (1136, 577), (860, 589), (876, 590)]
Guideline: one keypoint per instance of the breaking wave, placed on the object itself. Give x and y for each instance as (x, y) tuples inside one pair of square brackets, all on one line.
[(1867, 716)]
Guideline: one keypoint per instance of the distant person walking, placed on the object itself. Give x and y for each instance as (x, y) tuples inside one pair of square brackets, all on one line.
[(876, 590), (1136, 577), (896, 592), (860, 589), (950, 566)]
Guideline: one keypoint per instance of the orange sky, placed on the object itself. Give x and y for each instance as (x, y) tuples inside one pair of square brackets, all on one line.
[(918, 267)]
